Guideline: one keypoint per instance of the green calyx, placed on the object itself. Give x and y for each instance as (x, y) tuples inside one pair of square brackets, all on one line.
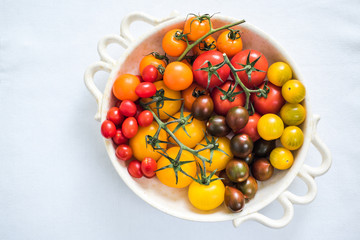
[(160, 57), (234, 34), (182, 121), (212, 70), (249, 67), (229, 94)]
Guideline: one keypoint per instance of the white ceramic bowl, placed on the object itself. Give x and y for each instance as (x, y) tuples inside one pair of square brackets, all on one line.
[(175, 201)]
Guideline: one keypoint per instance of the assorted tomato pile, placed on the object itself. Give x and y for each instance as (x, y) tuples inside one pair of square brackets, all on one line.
[(210, 119)]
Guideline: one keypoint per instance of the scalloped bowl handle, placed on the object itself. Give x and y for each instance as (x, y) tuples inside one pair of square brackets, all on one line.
[(287, 198)]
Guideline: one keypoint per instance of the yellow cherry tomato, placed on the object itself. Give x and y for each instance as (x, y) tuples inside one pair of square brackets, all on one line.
[(195, 128), (292, 138), (229, 43), (167, 176), (138, 143), (279, 73), (206, 197), (293, 114), (219, 159), (293, 91), (169, 107), (281, 158), (207, 44), (270, 126), (178, 76), (172, 44)]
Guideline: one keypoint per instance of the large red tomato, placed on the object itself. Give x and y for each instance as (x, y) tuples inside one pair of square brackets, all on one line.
[(201, 77), (251, 127), (255, 65), (222, 98), (272, 103)]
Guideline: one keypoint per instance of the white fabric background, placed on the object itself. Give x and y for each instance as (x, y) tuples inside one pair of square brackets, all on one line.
[(56, 181)]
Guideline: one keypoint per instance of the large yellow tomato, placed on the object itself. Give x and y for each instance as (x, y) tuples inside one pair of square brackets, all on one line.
[(139, 146), (195, 128), (219, 159), (169, 107), (167, 175)]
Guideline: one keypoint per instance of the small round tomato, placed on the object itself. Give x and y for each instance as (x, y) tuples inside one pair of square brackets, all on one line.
[(281, 158), (201, 76), (128, 108), (108, 129), (191, 93), (248, 187), (145, 90), (279, 73), (149, 74), (178, 76), (138, 144), (148, 167), (173, 43), (124, 152), (152, 59), (272, 103), (292, 138), (224, 98), (237, 170), (216, 126), (129, 127), (119, 138), (234, 199), (219, 158), (241, 145), (293, 91), (229, 42), (207, 197), (261, 169), (270, 126), (115, 116), (293, 114), (124, 87), (263, 148), (134, 169), (209, 43), (251, 127), (237, 118), (251, 77), (202, 107), (196, 27), (145, 118), (167, 176), (195, 130), (169, 107)]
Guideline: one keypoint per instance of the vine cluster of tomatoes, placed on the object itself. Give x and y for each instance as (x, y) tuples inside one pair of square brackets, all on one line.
[(204, 121)]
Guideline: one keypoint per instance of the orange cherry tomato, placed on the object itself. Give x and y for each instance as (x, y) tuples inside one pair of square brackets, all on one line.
[(230, 43), (207, 44), (151, 60), (178, 76), (196, 27), (188, 97), (172, 44), (124, 87)]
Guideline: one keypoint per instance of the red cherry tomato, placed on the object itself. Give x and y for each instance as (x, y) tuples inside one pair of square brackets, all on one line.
[(221, 107), (124, 152), (201, 77), (115, 116), (145, 118), (271, 104), (108, 129), (134, 169), (119, 138), (148, 167), (145, 90), (129, 127), (149, 73), (139, 109), (251, 127), (127, 108), (257, 77)]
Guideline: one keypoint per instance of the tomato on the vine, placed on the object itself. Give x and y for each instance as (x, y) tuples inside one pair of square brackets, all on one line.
[(152, 59), (188, 96), (196, 27), (124, 152), (173, 43), (272, 103), (129, 127), (229, 42), (124, 87), (209, 43), (145, 118), (178, 76), (254, 74), (251, 127), (225, 97)]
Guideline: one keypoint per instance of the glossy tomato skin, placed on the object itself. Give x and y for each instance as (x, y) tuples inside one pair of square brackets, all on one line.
[(115, 116), (248, 187), (234, 199), (241, 145), (251, 127), (124, 87), (257, 78), (293, 114), (134, 169), (237, 118), (148, 167), (124, 152), (279, 73), (216, 126), (145, 90), (237, 170), (270, 126), (200, 47), (271, 104), (149, 74), (281, 158), (202, 107), (178, 76), (261, 169), (108, 129), (225, 179), (293, 91), (145, 118), (151, 60), (119, 138), (292, 138), (201, 77), (173, 46), (188, 96), (195, 28), (227, 45), (128, 108), (263, 148), (129, 127), (222, 107)]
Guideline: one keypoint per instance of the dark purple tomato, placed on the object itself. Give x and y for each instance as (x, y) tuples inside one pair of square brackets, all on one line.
[(225, 179), (237, 170), (248, 187), (202, 107), (241, 145), (262, 170), (249, 159), (234, 199), (263, 148), (216, 126), (237, 118)]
